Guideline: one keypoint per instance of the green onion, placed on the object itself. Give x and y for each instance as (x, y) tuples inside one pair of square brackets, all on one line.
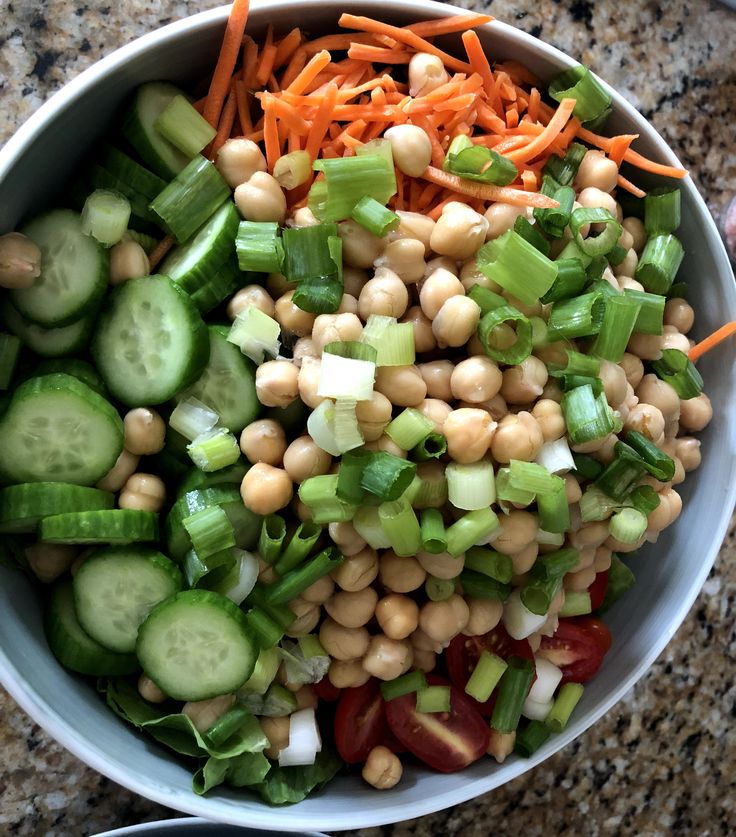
[(567, 699), (409, 428), (259, 247), (539, 332), (191, 418), (644, 498), (334, 426), (576, 364), (210, 531), (662, 210), (470, 486), (552, 508), (621, 474), (651, 312), (592, 103), (537, 594), (432, 446), (587, 416), (228, 723), (255, 333), (568, 382), (587, 467), (485, 677), (349, 489), (348, 370), (387, 476), (600, 244), (264, 673), (506, 492), (481, 586), (619, 319), (620, 579), (434, 539), (375, 217), (313, 259), (659, 263), (577, 603), (433, 699), (184, 127), (676, 369), (517, 266), (414, 681), (528, 476), (197, 568), (295, 582), (105, 216), (319, 495), (470, 529), (214, 450), (571, 279), (279, 613), (310, 646), (380, 147), (367, 524), (191, 198), (595, 504), (628, 525), (439, 589), (549, 538), (401, 527), (267, 632), (564, 169), (556, 564), (347, 180), (478, 163), (571, 251), (393, 342), (679, 290), (554, 221), (531, 738), (486, 299), (428, 489), (293, 169), (300, 545), (512, 691), (530, 232), (488, 562), (578, 317), (616, 255), (656, 461), (273, 532), (9, 351), (495, 343)]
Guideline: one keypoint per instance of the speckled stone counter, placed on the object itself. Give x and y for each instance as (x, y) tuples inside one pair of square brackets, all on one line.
[(663, 761)]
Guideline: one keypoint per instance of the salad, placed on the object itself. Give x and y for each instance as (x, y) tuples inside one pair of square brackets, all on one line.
[(335, 397)]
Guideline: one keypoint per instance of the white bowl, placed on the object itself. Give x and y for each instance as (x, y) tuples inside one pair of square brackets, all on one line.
[(37, 161)]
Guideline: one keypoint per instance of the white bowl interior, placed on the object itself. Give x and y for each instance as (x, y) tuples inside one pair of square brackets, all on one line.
[(35, 163)]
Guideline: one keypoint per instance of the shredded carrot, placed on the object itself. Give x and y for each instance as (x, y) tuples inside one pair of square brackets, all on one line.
[(321, 122), (479, 63), (315, 65), (286, 113), (400, 185), (336, 43), (438, 152), (630, 187), (512, 116), (619, 147), (226, 61), (294, 67), (487, 191), (381, 55), (160, 250), (446, 25), (540, 143), (256, 136), (199, 105), (529, 180), (271, 138), (241, 97), (266, 58), (286, 47), (435, 213), (295, 141), (534, 101), (711, 341), (224, 129), (632, 156), (250, 60)]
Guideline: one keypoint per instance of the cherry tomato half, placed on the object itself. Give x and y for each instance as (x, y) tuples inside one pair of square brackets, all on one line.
[(597, 590), (445, 741), (360, 722), (577, 648), (326, 691)]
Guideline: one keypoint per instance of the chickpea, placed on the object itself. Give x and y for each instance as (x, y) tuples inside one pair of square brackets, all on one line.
[(629, 264), (589, 535), (400, 574), (598, 171), (304, 459), (397, 615), (304, 347), (348, 541), (302, 217), (573, 492), (437, 288), (646, 346), (626, 239), (687, 451), (695, 413), (602, 559), (679, 314), (647, 420), (266, 572), (469, 433), (471, 275), (277, 285), (637, 231), (405, 258), (385, 294), (146, 492), (524, 382), (291, 318), (592, 197), (20, 261), (668, 510), (524, 560), (436, 411), (334, 328), (456, 321), (517, 437), (238, 160), (424, 339), (627, 283), (426, 73), (459, 232), (277, 383), (263, 441), (580, 580), (442, 621), (307, 617), (382, 769), (277, 732), (266, 489), (50, 561), (388, 658), (549, 417), (518, 529), (402, 385), (413, 225), (347, 674), (425, 661), (386, 444), (672, 339), (128, 260), (441, 565), (348, 305), (360, 248), (204, 713), (412, 150), (553, 353), (436, 376), (552, 391), (255, 295), (308, 382), (319, 592), (373, 416), (501, 217), (149, 691), (117, 476), (484, 615), (145, 431), (633, 368), (261, 198), (658, 393), (614, 382), (357, 571), (343, 643), (352, 609), (421, 642)]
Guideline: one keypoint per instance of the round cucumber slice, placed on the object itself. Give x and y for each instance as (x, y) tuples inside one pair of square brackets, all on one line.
[(114, 526), (22, 506), (116, 588), (227, 477), (56, 429), (80, 369), (49, 342), (196, 645), (150, 341), (74, 648)]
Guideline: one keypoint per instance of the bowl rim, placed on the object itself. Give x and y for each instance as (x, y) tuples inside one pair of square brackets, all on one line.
[(267, 818)]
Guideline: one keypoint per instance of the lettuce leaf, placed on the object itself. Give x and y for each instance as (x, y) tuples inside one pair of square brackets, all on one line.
[(287, 785)]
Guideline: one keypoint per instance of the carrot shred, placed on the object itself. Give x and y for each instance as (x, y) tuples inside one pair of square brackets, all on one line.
[(285, 112), (487, 191), (256, 136), (199, 105), (435, 213), (632, 156), (337, 43), (226, 61), (711, 341), (540, 143), (479, 63), (534, 101), (619, 146), (266, 58), (512, 116), (295, 141), (446, 25), (314, 66), (381, 55), (241, 97), (286, 47), (271, 138), (529, 180), (294, 67), (630, 187), (160, 250), (321, 122), (224, 129), (250, 60)]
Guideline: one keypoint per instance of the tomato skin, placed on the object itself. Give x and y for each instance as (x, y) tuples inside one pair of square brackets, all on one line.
[(597, 590), (464, 732), (326, 691), (360, 722), (577, 648)]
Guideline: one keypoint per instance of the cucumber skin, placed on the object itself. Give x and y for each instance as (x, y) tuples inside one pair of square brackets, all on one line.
[(83, 527), (43, 499), (49, 342), (79, 369)]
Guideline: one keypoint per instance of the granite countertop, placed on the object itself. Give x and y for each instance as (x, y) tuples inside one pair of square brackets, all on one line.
[(663, 760)]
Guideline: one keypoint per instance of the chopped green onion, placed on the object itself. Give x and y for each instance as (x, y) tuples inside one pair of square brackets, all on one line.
[(564, 169), (434, 539), (676, 369), (210, 531), (197, 568), (620, 579), (228, 723), (567, 699), (600, 244), (568, 382), (576, 364), (214, 449), (414, 681), (587, 416), (488, 562), (393, 342), (255, 333), (400, 525), (433, 699), (577, 603), (258, 246), (470, 486), (517, 266), (644, 498), (539, 332), (379, 146), (485, 677), (531, 738), (659, 263), (105, 216), (554, 221), (293, 169), (409, 428), (191, 418), (348, 370), (587, 467), (662, 210), (556, 564), (495, 342), (313, 259), (679, 290), (528, 476), (537, 594), (556, 456), (439, 589), (552, 508), (264, 673), (429, 488), (375, 217), (387, 476), (656, 461), (621, 474), (273, 532), (347, 180), (512, 691), (184, 127), (478, 163), (571, 279), (595, 504), (9, 351), (433, 446), (334, 426), (592, 103), (367, 524), (651, 313), (506, 492), (481, 586), (530, 232), (469, 529), (279, 613), (571, 251), (319, 494), (267, 632), (619, 319), (486, 299), (578, 317), (310, 646), (616, 255), (627, 525), (300, 545), (349, 489), (295, 582)]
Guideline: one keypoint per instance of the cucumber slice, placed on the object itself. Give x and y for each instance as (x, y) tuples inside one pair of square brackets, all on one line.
[(116, 588), (22, 506), (75, 649), (196, 645), (79, 369), (221, 284), (150, 341), (56, 429), (100, 178), (115, 526), (230, 476), (49, 342), (127, 170), (149, 102), (191, 265), (228, 383), (74, 271)]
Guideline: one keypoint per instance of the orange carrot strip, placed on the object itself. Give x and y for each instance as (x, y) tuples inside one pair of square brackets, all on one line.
[(321, 122), (250, 60), (348, 93), (241, 98), (337, 43), (378, 96), (374, 130), (266, 58), (529, 180), (540, 143), (438, 152), (228, 57), (489, 119), (534, 99), (271, 138), (366, 52), (518, 73), (404, 36), (294, 67), (631, 156), (295, 141), (224, 129), (286, 47), (487, 191), (512, 116), (630, 187), (435, 213), (199, 105), (619, 147), (427, 195), (313, 68), (348, 112), (510, 144), (479, 63), (256, 136), (445, 25), (160, 250), (285, 112), (711, 341), (400, 186)]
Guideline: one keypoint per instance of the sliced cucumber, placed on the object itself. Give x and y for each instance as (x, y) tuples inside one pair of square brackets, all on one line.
[(126, 170), (114, 526), (100, 178), (56, 429), (228, 383), (196, 645), (191, 265), (150, 341), (230, 476), (22, 506), (221, 284), (74, 648), (117, 587), (49, 342), (80, 369), (74, 271), (149, 102)]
